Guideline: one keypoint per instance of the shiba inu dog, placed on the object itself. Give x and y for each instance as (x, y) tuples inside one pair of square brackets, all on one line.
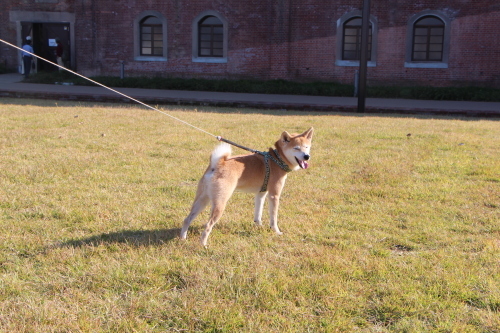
[(260, 173)]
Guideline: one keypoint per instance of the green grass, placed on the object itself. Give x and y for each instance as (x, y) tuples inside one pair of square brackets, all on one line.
[(383, 233), (459, 93)]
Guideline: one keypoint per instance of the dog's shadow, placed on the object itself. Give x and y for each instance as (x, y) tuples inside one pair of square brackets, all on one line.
[(136, 238)]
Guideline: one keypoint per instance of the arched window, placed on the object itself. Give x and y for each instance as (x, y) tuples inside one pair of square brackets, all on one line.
[(428, 38), (348, 40), (210, 37), (351, 45), (151, 36)]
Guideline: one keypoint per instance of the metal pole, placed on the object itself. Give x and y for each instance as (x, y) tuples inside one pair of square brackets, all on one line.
[(363, 61)]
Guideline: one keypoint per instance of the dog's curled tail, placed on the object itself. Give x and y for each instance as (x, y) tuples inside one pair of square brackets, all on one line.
[(221, 151)]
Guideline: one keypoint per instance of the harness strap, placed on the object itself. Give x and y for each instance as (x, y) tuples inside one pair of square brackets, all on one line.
[(268, 172), (267, 156)]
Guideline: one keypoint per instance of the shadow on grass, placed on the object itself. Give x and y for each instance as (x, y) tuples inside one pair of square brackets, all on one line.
[(136, 238)]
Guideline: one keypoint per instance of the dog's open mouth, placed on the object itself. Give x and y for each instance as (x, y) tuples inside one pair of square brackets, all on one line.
[(302, 164)]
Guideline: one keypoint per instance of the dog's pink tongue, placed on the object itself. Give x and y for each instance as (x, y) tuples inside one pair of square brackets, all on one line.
[(304, 164)]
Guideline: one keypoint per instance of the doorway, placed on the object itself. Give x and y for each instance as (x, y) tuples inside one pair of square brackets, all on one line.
[(44, 36)]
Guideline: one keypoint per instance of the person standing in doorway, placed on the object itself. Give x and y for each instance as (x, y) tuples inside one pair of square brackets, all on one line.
[(59, 53), (27, 58)]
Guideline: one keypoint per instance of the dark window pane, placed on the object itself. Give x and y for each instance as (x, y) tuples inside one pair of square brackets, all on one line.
[(205, 52), (436, 48), (429, 20), (354, 21), (420, 47), (420, 39), (435, 56), (421, 31), (350, 55), (350, 39), (350, 47), (211, 20), (436, 39), (419, 55), (437, 31), (351, 32), (151, 20)]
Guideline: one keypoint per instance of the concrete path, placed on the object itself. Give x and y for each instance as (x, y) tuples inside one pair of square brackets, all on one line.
[(11, 86)]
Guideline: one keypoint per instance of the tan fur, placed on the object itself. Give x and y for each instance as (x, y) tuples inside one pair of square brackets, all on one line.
[(246, 173)]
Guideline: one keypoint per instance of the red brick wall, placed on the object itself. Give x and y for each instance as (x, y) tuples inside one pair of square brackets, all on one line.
[(279, 39)]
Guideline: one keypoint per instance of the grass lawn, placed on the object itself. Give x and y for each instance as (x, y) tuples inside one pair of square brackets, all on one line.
[(385, 232)]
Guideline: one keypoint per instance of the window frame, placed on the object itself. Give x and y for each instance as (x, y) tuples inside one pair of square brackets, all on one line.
[(153, 40), (428, 39), (196, 40), (138, 56), (357, 36), (410, 62), (340, 36), (212, 37)]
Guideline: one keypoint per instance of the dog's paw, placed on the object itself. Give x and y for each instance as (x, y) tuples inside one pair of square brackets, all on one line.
[(277, 231)]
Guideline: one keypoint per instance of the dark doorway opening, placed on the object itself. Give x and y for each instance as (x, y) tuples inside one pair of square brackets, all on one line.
[(44, 37)]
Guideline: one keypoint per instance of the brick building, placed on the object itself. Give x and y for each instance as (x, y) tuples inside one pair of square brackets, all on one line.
[(413, 42)]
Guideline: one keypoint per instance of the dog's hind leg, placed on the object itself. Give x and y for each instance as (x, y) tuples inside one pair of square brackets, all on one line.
[(200, 202), (218, 206), (259, 206)]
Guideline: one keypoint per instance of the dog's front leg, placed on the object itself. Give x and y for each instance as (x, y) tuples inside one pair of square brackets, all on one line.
[(274, 202), (259, 206)]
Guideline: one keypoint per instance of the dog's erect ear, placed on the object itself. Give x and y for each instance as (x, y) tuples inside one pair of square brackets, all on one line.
[(285, 137), (308, 134)]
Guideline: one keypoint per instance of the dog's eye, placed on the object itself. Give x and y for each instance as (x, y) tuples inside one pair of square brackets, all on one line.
[(296, 148)]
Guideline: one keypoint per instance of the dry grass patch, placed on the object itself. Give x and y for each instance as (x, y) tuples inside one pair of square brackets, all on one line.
[(384, 233)]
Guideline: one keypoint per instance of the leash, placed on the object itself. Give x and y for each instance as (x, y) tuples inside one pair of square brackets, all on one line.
[(102, 85), (267, 155)]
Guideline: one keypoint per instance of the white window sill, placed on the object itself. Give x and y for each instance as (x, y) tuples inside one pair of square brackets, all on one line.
[(353, 63), (213, 60), (147, 58), (426, 65)]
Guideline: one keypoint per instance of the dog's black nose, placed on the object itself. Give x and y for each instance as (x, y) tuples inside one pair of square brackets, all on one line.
[(306, 157)]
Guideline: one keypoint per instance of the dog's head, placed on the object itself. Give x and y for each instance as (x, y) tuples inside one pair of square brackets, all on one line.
[(295, 148)]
